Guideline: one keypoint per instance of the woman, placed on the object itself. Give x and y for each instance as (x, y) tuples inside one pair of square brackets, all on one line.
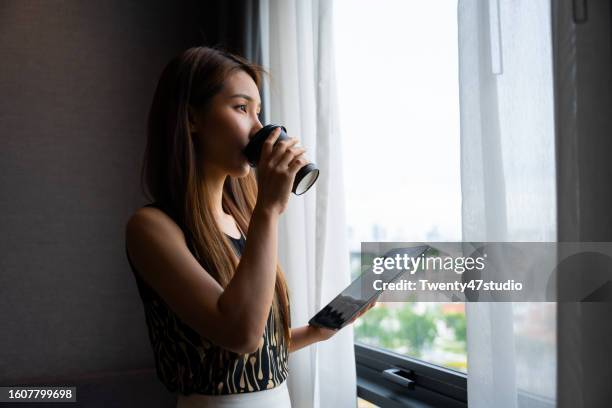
[(204, 252)]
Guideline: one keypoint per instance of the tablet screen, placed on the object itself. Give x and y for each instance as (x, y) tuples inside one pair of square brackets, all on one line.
[(360, 292)]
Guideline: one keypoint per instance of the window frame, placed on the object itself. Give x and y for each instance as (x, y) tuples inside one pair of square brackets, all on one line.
[(432, 385)]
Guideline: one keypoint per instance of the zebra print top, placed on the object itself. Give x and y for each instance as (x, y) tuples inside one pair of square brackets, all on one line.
[(187, 363)]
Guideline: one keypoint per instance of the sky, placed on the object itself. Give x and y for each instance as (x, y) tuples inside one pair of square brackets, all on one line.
[(397, 79)]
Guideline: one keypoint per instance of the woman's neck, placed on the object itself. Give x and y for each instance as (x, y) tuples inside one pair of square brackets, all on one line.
[(213, 186)]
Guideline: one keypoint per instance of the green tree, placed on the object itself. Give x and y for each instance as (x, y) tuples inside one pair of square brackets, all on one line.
[(370, 328), (416, 330), (456, 322), (411, 329)]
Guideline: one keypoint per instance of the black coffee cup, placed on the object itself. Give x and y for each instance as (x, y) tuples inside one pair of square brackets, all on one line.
[(304, 178)]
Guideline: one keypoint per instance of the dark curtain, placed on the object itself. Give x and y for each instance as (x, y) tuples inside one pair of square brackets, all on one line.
[(583, 88)]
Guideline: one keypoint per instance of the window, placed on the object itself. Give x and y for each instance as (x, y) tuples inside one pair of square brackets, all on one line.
[(399, 118)]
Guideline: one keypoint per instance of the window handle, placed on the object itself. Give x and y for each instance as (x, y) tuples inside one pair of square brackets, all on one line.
[(401, 377)]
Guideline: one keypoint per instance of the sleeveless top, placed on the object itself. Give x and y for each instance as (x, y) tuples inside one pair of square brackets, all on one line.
[(187, 363)]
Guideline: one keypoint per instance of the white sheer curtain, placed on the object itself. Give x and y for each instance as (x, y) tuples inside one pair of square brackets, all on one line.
[(508, 187), (297, 49)]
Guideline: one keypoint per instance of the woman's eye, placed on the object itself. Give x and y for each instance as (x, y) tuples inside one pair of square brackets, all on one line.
[(240, 106)]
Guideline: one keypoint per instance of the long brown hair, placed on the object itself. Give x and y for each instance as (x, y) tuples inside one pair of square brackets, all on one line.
[(173, 176)]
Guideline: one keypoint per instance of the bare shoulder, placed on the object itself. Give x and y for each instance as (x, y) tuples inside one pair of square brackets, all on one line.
[(158, 251), (151, 220), (151, 233)]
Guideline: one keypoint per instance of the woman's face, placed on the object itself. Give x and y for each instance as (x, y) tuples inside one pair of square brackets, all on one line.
[(224, 129)]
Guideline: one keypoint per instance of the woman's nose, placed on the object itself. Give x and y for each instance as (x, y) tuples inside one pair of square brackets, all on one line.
[(255, 129)]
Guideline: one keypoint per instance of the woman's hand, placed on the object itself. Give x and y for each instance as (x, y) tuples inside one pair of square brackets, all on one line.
[(324, 333), (276, 171)]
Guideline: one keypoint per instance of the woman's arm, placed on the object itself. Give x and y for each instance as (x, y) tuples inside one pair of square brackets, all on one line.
[(234, 317), (305, 336), (246, 300)]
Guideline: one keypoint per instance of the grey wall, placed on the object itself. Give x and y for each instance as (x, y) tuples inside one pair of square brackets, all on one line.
[(76, 81)]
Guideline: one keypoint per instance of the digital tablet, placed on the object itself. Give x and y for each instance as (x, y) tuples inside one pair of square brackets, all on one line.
[(360, 292)]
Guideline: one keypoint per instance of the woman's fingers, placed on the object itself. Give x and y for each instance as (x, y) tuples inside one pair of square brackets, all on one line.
[(358, 315), (297, 163), (268, 145), (283, 152), (290, 154), (371, 305)]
